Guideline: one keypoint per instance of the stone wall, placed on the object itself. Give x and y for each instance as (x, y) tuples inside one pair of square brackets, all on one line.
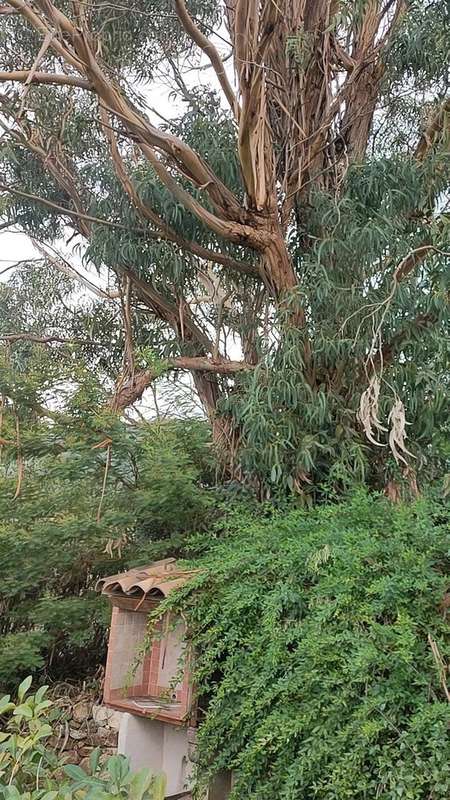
[(83, 726)]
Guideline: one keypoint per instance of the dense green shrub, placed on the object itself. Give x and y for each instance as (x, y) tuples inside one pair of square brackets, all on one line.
[(314, 634), (70, 525)]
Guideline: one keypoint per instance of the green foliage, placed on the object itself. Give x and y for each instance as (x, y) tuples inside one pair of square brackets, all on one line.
[(30, 770), (21, 653), (300, 434), (149, 25), (89, 496), (296, 434), (313, 635), (294, 417), (170, 498)]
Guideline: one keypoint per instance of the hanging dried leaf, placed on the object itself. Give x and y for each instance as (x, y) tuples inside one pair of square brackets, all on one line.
[(397, 435), (368, 411), (116, 545)]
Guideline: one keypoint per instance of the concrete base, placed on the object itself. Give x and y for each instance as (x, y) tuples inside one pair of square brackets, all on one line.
[(160, 747)]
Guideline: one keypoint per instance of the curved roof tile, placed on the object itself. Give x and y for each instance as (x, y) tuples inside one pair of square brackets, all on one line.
[(158, 579)]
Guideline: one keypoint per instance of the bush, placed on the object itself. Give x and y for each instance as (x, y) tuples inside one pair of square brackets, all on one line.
[(21, 652), (31, 771), (55, 543), (318, 636)]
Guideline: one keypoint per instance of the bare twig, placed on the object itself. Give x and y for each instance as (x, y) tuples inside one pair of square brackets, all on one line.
[(28, 76), (208, 48), (129, 392), (441, 665), (45, 339)]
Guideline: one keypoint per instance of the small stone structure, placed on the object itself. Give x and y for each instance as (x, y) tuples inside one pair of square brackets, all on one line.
[(151, 682)]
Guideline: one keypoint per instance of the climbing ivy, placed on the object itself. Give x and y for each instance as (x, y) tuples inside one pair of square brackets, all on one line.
[(320, 640)]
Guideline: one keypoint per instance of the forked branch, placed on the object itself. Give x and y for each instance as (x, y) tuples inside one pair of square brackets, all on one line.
[(80, 54), (208, 48), (164, 230), (132, 391)]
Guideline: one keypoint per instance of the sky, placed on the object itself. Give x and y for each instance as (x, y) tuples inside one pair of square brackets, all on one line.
[(13, 247)]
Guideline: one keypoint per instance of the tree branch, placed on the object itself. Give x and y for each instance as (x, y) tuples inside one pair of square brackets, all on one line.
[(177, 315), (132, 391), (166, 232), (46, 339), (412, 260), (253, 29), (62, 170), (208, 48), (64, 177), (229, 221), (23, 75), (85, 61), (236, 232), (25, 10)]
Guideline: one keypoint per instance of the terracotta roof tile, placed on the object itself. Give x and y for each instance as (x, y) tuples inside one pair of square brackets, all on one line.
[(157, 579)]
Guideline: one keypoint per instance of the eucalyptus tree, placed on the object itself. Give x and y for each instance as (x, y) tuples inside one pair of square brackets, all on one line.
[(283, 239)]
